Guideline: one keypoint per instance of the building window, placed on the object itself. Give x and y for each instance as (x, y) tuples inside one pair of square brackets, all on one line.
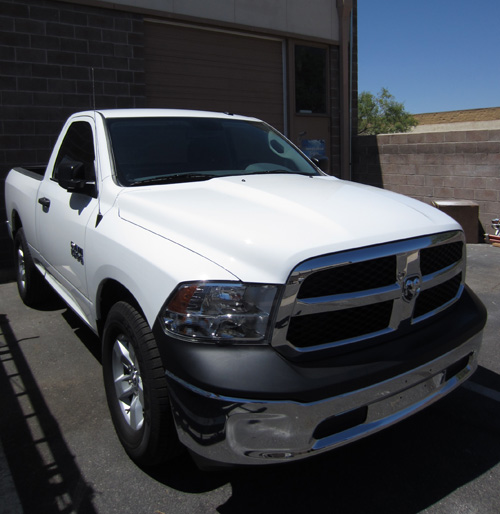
[(310, 79)]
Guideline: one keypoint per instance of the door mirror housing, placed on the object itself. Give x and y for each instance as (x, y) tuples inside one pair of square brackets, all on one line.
[(322, 163), (71, 176)]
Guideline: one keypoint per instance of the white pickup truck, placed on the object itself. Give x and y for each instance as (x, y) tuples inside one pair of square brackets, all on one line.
[(251, 308)]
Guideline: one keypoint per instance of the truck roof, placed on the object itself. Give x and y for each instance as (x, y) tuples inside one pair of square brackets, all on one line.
[(162, 113)]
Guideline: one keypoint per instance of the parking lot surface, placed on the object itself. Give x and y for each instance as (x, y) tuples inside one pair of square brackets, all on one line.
[(59, 453)]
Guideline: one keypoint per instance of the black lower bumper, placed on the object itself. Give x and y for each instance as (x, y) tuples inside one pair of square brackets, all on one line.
[(260, 373)]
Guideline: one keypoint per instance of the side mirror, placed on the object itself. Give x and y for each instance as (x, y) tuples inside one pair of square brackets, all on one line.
[(71, 176), (321, 163)]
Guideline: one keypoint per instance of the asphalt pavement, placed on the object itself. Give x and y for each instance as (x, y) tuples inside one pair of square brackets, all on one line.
[(59, 453)]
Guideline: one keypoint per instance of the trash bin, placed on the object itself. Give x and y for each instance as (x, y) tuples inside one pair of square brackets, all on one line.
[(466, 212)]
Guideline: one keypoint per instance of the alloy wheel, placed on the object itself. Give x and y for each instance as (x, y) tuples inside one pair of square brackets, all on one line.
[(128, 382)]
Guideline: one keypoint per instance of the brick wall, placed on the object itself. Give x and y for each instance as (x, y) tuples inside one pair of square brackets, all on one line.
[(47, 51), (462, 165)]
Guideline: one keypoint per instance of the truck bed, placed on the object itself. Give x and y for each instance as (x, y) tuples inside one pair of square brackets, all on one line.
[(36, 172)]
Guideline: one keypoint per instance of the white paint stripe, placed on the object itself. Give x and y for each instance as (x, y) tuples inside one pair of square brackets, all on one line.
[(483, 391)]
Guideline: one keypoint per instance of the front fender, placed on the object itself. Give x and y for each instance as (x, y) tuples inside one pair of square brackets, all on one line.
[(146, 264)]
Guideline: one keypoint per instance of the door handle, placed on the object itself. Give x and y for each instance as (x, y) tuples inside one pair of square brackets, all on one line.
[(45, 202)]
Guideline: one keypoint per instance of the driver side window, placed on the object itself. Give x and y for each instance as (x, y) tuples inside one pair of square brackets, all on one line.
[(78, 146)]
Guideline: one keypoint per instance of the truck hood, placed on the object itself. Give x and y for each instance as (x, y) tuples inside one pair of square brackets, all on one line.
[(259, 227)]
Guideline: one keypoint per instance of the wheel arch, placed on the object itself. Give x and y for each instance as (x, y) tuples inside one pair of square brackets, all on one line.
[(109, 293), (16, 222)]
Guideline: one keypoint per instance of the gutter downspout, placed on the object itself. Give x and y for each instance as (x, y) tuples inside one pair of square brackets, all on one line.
[(344, 8)]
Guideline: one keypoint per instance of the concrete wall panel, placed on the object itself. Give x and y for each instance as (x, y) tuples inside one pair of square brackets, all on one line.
[(269, 14), (314, 18), (318, 18)]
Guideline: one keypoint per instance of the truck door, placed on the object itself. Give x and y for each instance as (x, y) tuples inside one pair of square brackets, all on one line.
[(63, 216)]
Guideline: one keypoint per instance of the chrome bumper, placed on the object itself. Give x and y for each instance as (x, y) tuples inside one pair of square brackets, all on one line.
[(239, 431)]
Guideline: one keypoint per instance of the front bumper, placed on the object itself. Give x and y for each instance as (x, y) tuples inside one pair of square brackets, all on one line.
[(242, 432), (224, 427)]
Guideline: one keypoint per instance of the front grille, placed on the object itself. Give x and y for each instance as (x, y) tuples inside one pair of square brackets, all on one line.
[(436, 258), (349, 279), (340, 299), (319, 329), (435, 297)]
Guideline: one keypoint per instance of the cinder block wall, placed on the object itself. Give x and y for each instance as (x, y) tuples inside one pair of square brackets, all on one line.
[(458, 165), (47, 52)]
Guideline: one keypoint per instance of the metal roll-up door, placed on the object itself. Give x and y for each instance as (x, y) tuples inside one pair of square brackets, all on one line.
[(191, 68)]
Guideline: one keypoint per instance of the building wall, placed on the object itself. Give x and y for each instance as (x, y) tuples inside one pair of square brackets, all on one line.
[(314, 18), (47, 51), (335, 135), (453, 165), (58, 57)]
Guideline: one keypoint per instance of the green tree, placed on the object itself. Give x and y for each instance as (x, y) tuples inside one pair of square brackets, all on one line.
[(382, 114)]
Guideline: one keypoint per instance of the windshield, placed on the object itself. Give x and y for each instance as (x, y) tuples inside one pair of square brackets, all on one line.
[(163, 150)]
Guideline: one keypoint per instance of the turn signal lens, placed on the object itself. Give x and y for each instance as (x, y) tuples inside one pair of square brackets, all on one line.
[(180, 302)]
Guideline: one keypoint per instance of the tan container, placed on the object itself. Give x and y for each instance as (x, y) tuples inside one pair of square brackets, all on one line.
[(466, 212)]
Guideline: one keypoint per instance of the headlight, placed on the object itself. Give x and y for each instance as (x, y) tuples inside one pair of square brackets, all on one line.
[(221, 312)]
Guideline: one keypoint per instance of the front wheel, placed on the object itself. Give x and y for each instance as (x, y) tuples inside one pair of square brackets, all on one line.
[(136, 388)]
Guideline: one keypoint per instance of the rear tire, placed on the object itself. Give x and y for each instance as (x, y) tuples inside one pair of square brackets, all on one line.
[(30, 283), (136, 388)]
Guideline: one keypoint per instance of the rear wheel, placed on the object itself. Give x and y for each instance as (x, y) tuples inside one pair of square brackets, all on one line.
[(136, 387), (30, 283)]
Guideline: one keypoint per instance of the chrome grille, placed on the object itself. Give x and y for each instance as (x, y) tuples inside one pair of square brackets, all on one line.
[(319, 328), (438, 257), (358, 276), (436, 297), (344, 299)]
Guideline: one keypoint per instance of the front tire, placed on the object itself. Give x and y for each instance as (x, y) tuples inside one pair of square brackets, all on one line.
[(136, 387)]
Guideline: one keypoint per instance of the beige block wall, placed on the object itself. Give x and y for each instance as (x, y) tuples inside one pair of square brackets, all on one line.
[(453, 165)]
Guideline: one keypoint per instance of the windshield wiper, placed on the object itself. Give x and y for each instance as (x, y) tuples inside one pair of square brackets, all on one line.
[(174, 177), (277, 171)]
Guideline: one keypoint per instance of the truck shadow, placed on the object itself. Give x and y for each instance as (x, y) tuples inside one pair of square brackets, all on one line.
[(43, 469), (83, 332), (404, 469)]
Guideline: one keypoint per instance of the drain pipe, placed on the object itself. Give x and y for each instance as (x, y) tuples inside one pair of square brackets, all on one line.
[(345, 8), (351, 54)]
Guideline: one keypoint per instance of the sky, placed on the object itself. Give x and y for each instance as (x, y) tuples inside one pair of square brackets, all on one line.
[(432, 55)]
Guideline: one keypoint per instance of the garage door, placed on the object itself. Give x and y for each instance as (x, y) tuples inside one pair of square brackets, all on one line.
[(191, 68)]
